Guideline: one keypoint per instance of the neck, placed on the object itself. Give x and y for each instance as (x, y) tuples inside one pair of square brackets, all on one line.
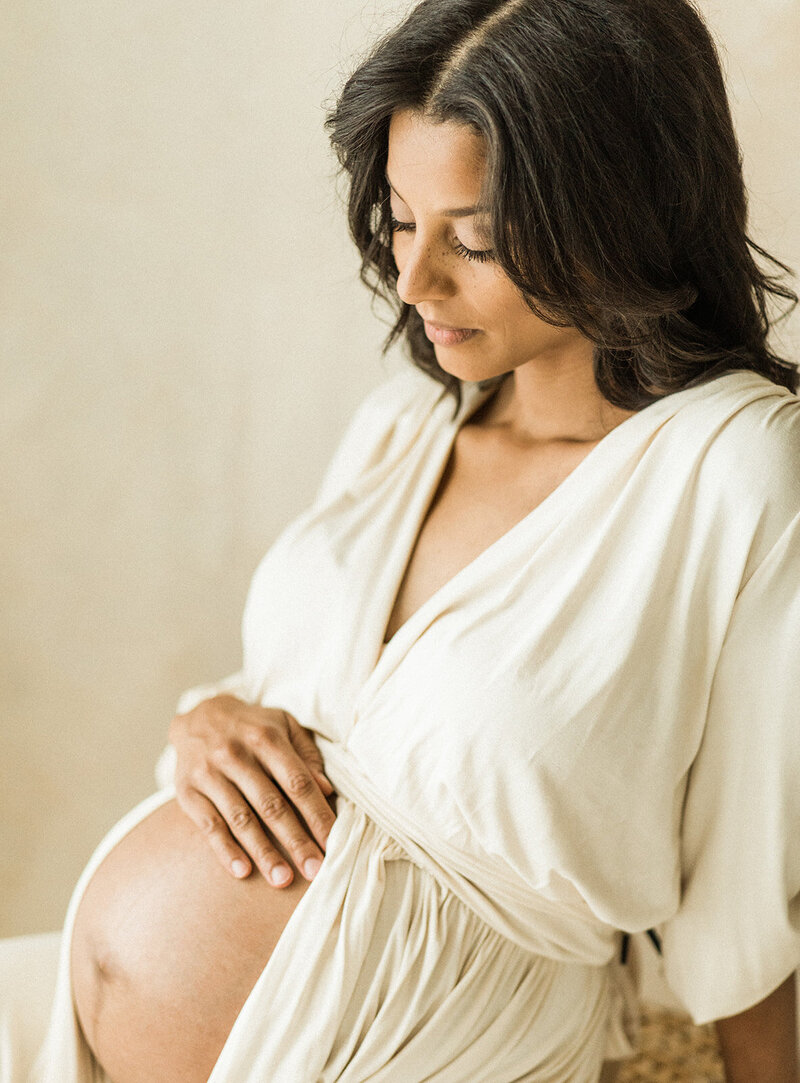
[(551, 405)]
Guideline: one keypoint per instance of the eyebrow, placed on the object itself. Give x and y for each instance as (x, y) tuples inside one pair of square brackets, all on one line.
[(455, 212)]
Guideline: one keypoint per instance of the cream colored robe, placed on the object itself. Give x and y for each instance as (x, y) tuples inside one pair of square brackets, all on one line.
[(593, 727)]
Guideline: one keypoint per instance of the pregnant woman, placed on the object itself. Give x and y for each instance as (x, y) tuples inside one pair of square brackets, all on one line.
[(525, 676)]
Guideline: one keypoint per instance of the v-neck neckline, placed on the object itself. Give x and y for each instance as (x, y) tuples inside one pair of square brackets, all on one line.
[(471, 403), (442, 448)]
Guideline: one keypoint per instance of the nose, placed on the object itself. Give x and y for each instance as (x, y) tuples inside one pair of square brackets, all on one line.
[(423, 273)]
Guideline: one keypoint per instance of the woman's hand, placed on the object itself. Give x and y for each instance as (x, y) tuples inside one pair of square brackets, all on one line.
[(241, 768)]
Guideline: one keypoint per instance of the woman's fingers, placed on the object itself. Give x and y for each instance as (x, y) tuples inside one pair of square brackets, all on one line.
[(306, 747), (252, 779), (298, 769), (292, 787), (205, 816), (227, 821)]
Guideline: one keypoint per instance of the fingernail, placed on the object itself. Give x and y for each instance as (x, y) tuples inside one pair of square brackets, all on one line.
[(311, 868), (239, 869), (280, 875)]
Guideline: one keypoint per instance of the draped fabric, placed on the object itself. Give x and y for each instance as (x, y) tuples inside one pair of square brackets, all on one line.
[(591, 728)]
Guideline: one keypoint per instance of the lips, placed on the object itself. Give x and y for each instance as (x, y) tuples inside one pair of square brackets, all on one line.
[(442, 325), (445, 335), (448, 336)]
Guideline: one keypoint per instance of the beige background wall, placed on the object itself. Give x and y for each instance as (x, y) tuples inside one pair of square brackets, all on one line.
[(182, 340)]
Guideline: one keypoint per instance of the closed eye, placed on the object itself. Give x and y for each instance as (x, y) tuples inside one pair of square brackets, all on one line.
[(479, 255)]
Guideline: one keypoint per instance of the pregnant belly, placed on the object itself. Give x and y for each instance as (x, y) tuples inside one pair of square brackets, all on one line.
[(166, 948)]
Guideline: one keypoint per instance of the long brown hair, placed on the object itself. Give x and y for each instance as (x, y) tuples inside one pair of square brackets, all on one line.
[(613, 174)]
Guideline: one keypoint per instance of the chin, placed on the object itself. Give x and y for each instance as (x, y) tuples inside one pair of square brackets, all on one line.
[(454, 360)]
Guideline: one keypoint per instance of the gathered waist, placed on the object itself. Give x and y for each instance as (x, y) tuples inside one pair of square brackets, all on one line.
[(538, 931), (542, 925), (436, 927)]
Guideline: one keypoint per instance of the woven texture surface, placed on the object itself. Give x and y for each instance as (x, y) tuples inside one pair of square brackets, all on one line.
[(674, 1050)]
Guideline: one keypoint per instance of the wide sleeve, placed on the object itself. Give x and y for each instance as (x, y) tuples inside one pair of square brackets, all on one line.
[(736, 934), (378, 423)]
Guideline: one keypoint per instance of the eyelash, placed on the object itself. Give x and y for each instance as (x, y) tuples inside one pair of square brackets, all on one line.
[(477, 255)]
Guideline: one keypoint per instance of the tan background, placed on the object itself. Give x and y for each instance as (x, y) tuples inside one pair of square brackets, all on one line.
[(182, 340)]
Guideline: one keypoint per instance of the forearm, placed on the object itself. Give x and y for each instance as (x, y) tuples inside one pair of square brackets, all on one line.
[(760, 1045)]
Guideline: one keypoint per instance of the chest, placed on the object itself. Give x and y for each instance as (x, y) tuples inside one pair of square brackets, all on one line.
[(516, 579), (486, 488)]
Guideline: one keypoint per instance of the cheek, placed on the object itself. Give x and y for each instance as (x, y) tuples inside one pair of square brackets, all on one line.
[(504, 309)]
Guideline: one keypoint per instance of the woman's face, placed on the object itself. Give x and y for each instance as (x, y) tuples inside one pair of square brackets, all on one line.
[(444, 260)]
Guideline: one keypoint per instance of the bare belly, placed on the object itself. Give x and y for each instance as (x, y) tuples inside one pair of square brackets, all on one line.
[(166, 948)]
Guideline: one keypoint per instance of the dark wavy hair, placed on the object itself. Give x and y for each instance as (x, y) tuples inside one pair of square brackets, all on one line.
[(614, 179)]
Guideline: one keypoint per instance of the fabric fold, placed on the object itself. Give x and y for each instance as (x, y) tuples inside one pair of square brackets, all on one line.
[(402, 974), (554, 749)]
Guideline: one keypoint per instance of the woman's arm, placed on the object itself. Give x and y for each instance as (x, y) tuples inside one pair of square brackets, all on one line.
[(760, 1045)]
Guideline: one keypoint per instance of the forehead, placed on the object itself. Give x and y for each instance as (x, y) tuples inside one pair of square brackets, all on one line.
[(434, 160)]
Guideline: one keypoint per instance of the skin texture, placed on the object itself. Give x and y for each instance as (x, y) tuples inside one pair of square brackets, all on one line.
[(760, 1044), (244, 773), (551, 395), (166, 947), (168, 943)]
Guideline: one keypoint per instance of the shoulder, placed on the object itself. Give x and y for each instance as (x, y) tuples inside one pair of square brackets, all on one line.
[(750, 462), (758, 419), (392, 414), (405, 391), (756, 441)]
